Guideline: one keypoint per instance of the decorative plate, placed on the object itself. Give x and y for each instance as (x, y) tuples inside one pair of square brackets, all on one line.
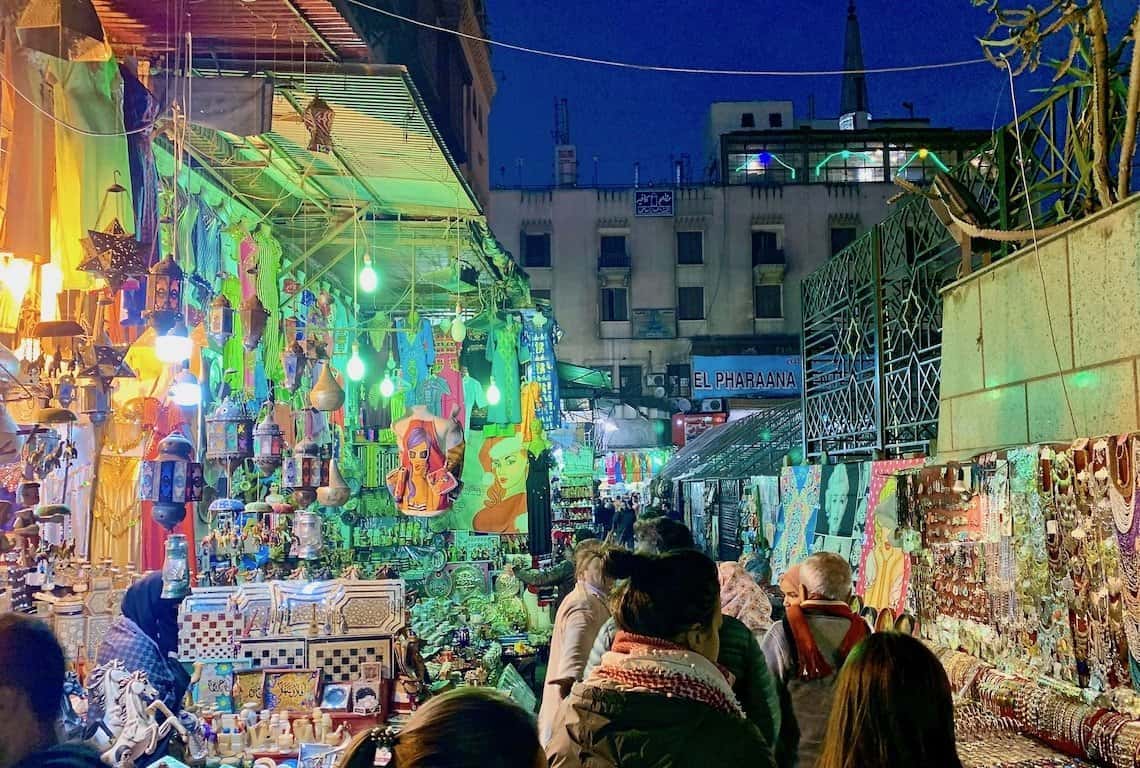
[(438, 585), (507, 584)]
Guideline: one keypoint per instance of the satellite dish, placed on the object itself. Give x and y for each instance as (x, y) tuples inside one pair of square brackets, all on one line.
[(681, 405), (659, 392)]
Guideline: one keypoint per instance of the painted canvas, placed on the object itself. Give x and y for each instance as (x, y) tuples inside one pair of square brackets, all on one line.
[(884, 568), (292, 690), (795, 528), (493, 497), (842, 510), (214, 686), (336, 697)]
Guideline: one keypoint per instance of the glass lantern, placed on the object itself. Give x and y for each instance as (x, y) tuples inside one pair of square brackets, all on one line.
[(220, 320), (229, 434), (176, 568), (304, 472), (164, 295), (253, 319), (268, 442), (171, 480), (307, 530)]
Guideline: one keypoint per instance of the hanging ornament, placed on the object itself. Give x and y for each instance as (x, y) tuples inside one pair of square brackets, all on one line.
[(458, 326), (164, 295), (335, 492), (326, 395), (171, 480), (268, 441), (113, 255), (220, 320), (176, 568), (229, 434), (318, 117), (294, 362), (304, 472), (387, 386), (307, 531), (253, 319)]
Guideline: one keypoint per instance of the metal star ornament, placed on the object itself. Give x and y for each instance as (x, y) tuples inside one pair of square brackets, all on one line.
[(113, 255)]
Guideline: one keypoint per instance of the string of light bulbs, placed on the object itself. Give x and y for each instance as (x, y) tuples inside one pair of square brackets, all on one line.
[(662, 68)]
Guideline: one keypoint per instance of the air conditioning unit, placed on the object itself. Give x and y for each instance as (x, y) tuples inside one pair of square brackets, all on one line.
[(654, 380), (712, 405)]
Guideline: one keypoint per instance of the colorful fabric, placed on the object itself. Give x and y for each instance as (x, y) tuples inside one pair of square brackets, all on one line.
[(447, 368), (473, 397), (812, 664), (126, 641), (799, 492), (884, 569), (653, 665), (505, 355), (417, 353), (538, 339), (531, 403), (742, 598)]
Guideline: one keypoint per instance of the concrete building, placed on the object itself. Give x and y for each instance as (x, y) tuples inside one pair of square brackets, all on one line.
[(642, 280)]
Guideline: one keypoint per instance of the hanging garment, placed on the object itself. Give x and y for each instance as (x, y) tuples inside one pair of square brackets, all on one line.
[(447, 368), (116, 509), (417, 353), (505, 355), (268, 268), (473, 397), (543, 367), (531, 402), (435, 390)]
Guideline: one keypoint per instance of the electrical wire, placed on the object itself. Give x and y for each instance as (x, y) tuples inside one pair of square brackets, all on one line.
[(76, 128), (660, 68)]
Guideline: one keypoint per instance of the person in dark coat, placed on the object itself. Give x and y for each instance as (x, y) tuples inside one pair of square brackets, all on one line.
[(658, 699), (603, 518), (32, 674), (624, 518), (560, 575)]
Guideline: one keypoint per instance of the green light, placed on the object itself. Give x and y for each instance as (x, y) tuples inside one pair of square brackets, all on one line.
[(1084, 379), (368, 279), (387, 388), (762, 160), (493, 393), (922, 154), (843, 153), (355, 368)]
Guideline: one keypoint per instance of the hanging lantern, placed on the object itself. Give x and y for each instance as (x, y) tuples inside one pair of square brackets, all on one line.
[(225, 511), (304, 472), (94, 399), (318, 117), (229, 434), (171, 480), (335, 492), (220, 320), (253, 318), (326, 395), (164, 295), (65, 29), (307, 530), (294, 362), (458, 326), (268, 443), (277, 502), (176, 568)]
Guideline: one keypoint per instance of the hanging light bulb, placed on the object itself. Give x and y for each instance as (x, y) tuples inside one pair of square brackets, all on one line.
[(368, 279), (186, 392), (493, 393), (175, 345), (355, 368), (387, 386), (458, 327)]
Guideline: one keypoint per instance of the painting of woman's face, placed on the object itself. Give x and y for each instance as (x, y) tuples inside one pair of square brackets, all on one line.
[(511, 471)]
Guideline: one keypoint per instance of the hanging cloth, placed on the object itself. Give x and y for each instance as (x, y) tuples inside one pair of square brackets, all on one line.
[(447, 368)]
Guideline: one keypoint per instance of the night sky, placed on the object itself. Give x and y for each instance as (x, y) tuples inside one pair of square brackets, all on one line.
[(625, 116)]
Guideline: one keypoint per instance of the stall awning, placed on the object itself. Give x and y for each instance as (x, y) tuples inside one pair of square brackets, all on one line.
[(577, 378), (754, 445)]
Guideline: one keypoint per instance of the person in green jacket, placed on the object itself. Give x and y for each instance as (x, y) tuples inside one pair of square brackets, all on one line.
[(740, 652), (559, 575)]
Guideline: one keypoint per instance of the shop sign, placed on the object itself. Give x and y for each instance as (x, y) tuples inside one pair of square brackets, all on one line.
[(687, 426), (654, 323), (747, 376), (653, 202)]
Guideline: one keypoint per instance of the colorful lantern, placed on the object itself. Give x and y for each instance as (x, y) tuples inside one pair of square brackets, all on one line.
[(253, 319), (335, 492), (268, 444), (164, 295), (304, 472), (220, 320), (94, 399), (176, 568), (318, 117), (171, 481), (294, 361), (326, 395), (229, 434), (225, 511)]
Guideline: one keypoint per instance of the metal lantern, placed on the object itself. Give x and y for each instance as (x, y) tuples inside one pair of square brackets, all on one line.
[(307, 530), (164, 295), (220, 320), (294, 361), (176, 568), (229, 434), (304, 472), (171, 481), (318, 117), (253, 319), (268, 444), (94, 399), (335, 492), (326, 394), (224, 512)]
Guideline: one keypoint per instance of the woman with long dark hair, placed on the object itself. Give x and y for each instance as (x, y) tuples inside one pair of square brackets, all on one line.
[(658, 698), (892, 707)]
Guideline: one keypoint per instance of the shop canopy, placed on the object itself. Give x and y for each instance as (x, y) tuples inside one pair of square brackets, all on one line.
[(754, 445), (579, 381)]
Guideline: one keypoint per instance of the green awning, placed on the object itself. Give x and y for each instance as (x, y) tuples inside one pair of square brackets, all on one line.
[(577, 377)]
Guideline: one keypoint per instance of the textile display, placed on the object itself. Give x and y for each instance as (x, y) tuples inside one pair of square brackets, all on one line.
[(505, 354), (431, 463), (417, 354), (884, 568), (768, 493), (116, 510), (493, 498), (446, 368), (843, 510), (539, 341), (799, 502)]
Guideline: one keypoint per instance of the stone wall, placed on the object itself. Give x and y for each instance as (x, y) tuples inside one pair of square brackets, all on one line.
[(1005, 376)]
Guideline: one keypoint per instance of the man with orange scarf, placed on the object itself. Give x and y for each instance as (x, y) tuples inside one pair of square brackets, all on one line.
[(806, 650)]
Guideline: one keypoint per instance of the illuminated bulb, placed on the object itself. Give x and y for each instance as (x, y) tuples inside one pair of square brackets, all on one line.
[(458, 327), (493, 393), (387, 388), (369, 281), (355, 368), (174, 346), (610, 426), (185, 392), (922, 153)]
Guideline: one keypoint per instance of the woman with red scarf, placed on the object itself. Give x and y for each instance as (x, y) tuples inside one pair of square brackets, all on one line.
[(658, 699)]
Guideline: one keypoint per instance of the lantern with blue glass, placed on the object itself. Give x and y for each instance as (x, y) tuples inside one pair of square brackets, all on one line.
[(172, 480)]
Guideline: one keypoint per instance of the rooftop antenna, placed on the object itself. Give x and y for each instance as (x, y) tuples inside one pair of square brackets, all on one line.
[(561, 132)]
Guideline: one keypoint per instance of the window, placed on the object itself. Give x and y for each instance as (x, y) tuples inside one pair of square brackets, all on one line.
[(775, 120), (691, 303), (630, 384), (769, 301), (536, 250), (747, 120), (764, 248), (677, 378), (539, 295), (841, 237), (615, 305), (690, 248), (613, 253)]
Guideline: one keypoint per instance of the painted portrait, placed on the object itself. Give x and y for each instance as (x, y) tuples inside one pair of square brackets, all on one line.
[(506, 466)]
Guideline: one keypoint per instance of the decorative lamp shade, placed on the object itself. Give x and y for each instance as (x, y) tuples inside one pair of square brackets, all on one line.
[(171, 481), (277, 502), (65, 29), (229, 434), (307, 530), (253, 319), (164, 295), (304, 472), (225, 511), (335, 492), (220, 320), (318, 117), (294, 361), (326, 395), (176, 568), (268, 445), (94, 399)]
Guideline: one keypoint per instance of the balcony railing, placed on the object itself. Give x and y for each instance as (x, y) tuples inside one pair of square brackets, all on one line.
[(612, 260), (769, 257)]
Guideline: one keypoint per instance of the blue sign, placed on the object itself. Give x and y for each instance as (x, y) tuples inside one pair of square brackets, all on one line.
[(650, 202), (747, 376)]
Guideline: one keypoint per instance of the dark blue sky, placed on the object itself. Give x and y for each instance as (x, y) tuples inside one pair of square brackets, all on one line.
[(624, 116)]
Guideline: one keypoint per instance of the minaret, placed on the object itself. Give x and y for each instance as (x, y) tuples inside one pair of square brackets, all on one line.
[(853, 109)]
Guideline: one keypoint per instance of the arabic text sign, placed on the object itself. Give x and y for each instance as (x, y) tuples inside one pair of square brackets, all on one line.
[(746, 376), (653, 202)]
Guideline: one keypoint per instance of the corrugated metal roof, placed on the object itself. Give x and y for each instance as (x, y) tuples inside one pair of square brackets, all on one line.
[(754, 445), (265, 30)]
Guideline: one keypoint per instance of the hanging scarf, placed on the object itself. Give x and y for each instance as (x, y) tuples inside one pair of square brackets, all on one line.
[(652, 665), (812, 665)]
